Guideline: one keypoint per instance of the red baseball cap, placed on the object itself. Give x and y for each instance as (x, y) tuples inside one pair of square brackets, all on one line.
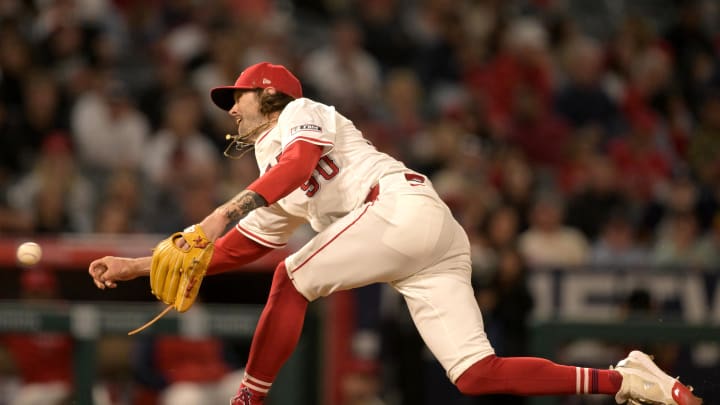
[(258, 76)]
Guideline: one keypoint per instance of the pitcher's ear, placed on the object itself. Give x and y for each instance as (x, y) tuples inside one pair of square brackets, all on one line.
[(271, 91)]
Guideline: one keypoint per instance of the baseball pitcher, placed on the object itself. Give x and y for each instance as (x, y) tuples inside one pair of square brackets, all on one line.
[(377, 221)]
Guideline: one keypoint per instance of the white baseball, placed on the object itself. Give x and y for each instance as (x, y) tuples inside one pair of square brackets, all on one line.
[(29, 253)]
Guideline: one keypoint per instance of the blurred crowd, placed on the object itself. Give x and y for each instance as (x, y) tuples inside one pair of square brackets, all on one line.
[(561, 133), (570, 145)]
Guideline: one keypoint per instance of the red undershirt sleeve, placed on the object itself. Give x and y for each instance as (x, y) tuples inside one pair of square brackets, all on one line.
[(295, 166), (234, 250)]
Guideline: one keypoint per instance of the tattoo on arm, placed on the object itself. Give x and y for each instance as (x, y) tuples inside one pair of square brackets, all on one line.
[(242, 204)]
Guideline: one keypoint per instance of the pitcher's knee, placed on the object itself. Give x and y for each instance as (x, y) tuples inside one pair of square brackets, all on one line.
[(474, 380)]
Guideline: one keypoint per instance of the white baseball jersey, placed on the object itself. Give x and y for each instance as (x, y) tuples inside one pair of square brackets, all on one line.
[(407, 237), (349, 167)]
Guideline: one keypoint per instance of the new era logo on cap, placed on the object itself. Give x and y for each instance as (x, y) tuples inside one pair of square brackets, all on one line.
[(258, 76)]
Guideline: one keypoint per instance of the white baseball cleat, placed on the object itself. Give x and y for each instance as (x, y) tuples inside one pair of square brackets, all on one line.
[(644, 383)]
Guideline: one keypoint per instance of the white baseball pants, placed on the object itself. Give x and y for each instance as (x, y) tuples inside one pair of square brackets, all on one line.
[(409, 239)]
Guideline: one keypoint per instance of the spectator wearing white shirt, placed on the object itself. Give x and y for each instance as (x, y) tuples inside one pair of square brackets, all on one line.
[(180, 164), (110, 133), (179, 145), (548, 242), (343, 73), (55, 196)]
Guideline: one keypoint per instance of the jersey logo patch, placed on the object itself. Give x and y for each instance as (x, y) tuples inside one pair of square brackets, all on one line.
[(305, 128)]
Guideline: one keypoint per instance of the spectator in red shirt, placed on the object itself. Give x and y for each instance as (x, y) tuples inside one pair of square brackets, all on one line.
[(43, 361), (644, 166), (540, 134), (523, 63)]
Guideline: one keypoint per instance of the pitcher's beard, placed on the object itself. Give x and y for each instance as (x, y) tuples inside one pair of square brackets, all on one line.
[(246, 142), (251, 136)]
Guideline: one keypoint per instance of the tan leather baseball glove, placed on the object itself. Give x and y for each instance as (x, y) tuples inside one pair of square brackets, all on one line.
[(176, 273)]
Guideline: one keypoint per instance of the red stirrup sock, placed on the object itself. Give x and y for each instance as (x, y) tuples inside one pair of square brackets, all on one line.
[(535, 376), (276, 335)]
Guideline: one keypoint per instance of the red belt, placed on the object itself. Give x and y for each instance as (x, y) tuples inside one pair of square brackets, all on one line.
[(373, 194), (412, 178)]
